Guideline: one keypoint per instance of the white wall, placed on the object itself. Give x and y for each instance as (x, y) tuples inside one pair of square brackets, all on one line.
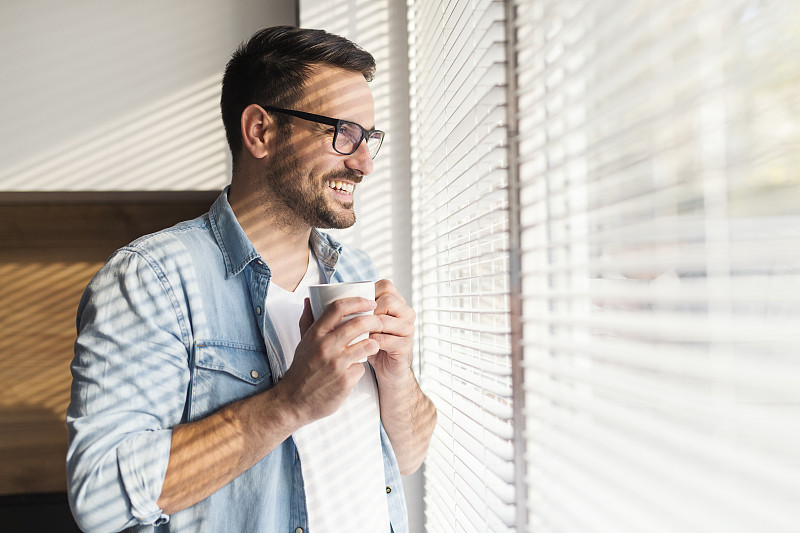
[(116, 95)]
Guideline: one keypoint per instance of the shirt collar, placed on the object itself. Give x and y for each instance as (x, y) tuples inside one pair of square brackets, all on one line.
[(238, 251), (325, 247)]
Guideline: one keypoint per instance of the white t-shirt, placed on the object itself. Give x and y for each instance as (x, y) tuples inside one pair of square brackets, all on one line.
[(340, 455)]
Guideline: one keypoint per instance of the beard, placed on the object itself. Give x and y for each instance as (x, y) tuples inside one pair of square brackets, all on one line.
[(304, 196)]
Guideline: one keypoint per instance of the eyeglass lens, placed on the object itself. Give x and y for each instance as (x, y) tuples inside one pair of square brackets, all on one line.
[(350, 135)]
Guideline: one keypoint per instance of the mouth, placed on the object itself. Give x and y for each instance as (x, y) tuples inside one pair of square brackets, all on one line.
[(342, 187)]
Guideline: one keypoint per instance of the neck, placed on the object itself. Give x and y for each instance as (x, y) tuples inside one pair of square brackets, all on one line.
[(277, 235)]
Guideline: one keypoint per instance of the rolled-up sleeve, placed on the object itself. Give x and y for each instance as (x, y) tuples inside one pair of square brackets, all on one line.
[(130, 380)]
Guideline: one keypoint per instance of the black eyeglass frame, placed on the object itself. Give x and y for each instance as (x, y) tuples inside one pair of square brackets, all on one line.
[(336, 123)]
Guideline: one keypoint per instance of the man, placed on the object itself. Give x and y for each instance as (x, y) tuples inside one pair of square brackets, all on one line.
[(204, 394)]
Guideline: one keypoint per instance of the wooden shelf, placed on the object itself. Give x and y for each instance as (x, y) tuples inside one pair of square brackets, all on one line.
[(49, 250)]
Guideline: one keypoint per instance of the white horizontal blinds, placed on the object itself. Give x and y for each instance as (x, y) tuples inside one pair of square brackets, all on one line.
[(460, 221), (659, 147)]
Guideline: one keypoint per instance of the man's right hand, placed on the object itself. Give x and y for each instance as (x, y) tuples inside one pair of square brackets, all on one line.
[(207, 454), (325, 369)]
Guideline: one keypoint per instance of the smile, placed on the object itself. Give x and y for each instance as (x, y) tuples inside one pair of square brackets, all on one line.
[(342, 186)]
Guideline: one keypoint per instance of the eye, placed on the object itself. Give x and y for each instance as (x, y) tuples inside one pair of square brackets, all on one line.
[(351, 132)]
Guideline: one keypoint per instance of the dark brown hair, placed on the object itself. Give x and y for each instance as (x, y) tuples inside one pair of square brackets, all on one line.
[(273, 67)]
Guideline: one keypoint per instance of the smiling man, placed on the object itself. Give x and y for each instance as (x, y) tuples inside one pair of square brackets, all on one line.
[(205, 397)]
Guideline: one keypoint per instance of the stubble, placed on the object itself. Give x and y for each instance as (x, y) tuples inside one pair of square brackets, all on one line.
[(303, 197)]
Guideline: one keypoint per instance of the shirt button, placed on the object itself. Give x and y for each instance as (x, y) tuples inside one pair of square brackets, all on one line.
[(254, 374), (388, 490), (298, 530), (258, 310)]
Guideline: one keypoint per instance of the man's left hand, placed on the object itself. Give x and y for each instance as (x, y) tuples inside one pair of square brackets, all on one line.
[(407, 414), (393, 360)]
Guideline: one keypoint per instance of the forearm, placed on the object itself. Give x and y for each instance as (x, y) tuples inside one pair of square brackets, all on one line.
[(409, 418), (208, 454)]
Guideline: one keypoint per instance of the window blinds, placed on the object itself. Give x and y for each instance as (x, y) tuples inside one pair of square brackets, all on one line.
[(659, 209), (659, 146), (461, 260)]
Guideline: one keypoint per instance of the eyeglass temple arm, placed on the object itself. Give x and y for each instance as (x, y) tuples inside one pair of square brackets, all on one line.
[(311, 117)]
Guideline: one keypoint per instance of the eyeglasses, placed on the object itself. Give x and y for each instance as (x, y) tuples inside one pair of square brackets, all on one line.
[(347, 136)]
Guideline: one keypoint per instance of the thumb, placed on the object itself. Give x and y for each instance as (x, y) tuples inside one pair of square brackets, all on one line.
[(307, 318)]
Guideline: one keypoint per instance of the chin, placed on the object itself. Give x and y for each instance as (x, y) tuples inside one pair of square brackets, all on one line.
[(336, 222), (341, 216), (339, 224)]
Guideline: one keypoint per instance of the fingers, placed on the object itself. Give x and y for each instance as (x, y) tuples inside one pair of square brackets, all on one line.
[(386, 287), (362, 349), (339, 309), (336, 329), (392, 325), (307, 318), (395, 337), (390, 302), (325, 367), (345, 333), (392, 344), (318, 386)]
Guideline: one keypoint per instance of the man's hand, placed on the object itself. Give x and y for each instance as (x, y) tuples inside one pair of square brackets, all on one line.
[(325, 369), (407, 414), (208, 454), (395, 336)]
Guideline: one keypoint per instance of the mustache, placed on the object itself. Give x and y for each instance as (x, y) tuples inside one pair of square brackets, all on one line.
[(349, 175)]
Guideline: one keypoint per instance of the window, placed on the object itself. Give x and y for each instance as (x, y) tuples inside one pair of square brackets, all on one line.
[(659, 150), (605, 260)]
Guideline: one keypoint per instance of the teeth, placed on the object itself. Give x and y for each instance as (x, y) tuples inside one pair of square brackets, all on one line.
[(341, 186)]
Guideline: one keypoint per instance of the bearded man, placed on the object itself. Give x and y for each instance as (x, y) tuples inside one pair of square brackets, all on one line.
[(205, 397)]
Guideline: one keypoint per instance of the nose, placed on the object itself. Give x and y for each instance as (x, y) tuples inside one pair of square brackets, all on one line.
[(360, 160)]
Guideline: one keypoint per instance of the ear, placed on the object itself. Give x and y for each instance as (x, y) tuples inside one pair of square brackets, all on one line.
[(258, 131)]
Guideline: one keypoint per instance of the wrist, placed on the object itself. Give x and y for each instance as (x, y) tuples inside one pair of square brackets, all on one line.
[(398, 380), (287, 415), (267, 416)]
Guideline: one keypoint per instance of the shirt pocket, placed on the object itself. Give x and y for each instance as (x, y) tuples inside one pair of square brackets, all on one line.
[(224, 372)]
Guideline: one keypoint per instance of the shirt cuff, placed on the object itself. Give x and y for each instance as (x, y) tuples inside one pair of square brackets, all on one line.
[(143, 460)]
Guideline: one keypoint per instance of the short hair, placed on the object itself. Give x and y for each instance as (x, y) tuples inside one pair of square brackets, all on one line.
[(273, 66)]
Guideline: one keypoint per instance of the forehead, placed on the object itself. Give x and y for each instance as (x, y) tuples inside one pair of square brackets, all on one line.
[(340, 94)]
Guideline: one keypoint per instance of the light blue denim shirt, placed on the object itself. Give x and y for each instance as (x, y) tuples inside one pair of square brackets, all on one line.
[(169, 330)]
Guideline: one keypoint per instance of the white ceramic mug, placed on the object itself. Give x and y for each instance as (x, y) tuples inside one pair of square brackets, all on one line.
[(323, 295)]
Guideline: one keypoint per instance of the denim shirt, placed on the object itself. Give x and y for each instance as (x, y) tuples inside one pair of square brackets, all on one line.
[(169, 330)]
